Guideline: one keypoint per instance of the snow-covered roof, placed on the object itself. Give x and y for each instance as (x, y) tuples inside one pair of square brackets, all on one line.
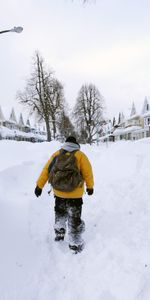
[(4, 131), (2, 118), (28, 123), (21, 121), (133, 110), (105, 136), (133, 117), (12, 117), (146, 106), (147, 114), (118, 131), (132, 128)]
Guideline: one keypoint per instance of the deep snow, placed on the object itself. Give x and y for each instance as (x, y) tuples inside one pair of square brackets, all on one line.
[(115, 264)]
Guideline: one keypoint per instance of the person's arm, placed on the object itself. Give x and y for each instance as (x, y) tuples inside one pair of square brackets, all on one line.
[(87, 173), (44, 175)]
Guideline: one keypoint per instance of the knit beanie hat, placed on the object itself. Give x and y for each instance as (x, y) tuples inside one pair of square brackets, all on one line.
[(71, 139)]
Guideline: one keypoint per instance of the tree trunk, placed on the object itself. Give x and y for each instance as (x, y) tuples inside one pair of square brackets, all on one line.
[(54, 127), (49, 138)]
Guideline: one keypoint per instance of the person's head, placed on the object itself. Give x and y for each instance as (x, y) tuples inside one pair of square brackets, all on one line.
[(71, 139)]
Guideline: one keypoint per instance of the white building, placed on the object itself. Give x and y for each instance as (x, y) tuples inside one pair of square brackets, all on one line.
[(11, 129), (136, 126)]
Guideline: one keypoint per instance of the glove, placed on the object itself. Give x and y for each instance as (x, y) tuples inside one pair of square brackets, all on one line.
[(90, 191), (38, 191)]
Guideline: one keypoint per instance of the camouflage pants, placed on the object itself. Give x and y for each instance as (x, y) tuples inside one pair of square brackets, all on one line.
[(68, 212)]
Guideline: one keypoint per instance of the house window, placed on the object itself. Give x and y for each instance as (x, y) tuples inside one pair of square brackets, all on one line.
[(148, 121)]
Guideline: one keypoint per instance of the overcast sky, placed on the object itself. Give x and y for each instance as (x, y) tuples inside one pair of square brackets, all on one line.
[(106, 42)]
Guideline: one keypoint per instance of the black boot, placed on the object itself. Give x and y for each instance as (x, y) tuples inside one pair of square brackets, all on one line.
[(60, 234), (76, 248)]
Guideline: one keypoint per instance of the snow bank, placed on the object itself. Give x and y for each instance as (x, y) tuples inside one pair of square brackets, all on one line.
[(115, 264)]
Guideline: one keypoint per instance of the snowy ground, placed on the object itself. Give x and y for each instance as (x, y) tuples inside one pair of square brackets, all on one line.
[(115, 264)]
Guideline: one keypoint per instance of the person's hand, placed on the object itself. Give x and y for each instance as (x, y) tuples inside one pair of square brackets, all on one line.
[(38, 191), (90, 191)]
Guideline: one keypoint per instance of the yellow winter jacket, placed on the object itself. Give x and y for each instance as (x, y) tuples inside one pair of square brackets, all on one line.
[(85, 169)]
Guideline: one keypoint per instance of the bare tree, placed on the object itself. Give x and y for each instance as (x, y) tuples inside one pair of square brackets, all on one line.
[(43, 95), (88, 112), (66, 127), (56, 102)]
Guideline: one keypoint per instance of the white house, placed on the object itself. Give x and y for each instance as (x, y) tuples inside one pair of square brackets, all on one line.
[(136, 126)]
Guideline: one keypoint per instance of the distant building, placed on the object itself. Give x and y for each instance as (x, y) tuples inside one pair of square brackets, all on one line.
[(135, 127), (11, 129), (2, 119)]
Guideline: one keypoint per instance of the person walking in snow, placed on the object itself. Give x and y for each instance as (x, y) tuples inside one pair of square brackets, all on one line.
[(67, 170)]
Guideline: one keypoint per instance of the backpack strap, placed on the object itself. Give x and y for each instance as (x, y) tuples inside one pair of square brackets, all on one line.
[(52, 164), (63, 151)]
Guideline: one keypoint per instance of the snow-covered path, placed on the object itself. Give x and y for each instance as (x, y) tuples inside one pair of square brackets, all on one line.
[(115, 264)]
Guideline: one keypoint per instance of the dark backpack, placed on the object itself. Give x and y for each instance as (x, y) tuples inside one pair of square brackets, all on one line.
[(64, 174)]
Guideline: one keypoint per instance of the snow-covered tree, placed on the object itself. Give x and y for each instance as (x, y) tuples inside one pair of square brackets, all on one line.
[(65, 126), (43, 95), (88, 112)]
